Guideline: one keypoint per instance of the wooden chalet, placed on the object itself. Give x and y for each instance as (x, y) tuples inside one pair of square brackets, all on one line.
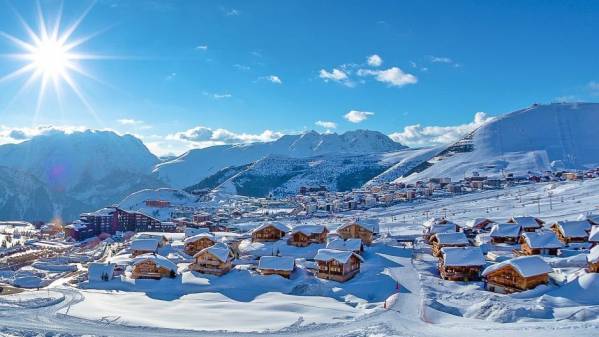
[(461, 263), (215, 260), (572, 231), (269, 232), (337, 265), (363, 230), (518, 274), (593, 260), (152, 266), (477, 226), (442, 240), (276, 265), (196, 243), (143, 246), (528, 223), (505, 233), (303, 235), (444, 227), (349, 245), (539, 243)]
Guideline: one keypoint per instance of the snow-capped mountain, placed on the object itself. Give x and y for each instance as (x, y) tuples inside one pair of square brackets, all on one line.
[(538, 138), (81, 171), (195, 165)]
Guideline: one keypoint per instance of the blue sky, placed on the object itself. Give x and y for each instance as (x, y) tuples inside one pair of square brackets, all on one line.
[(182, 74)]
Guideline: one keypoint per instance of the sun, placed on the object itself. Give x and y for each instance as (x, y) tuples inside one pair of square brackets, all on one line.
[(50, 57)]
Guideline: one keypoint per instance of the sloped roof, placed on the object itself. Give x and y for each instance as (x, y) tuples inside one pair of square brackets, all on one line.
[(594, 234), (442, 228), (527, 221), (370, 224), (277, 225), (505, 230), (526, 266), (200, 236), (477, 222), (574, 229), (545, 239), (159, 260), (455, 238), (434, 221), (462, 256), (220, 250), (150, 245), (308, 229), (340, 256), (346, 245), (282, 263)]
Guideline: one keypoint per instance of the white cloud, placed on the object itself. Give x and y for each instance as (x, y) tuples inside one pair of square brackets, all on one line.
[(356, 116), (441, 59), (326, 124), (417, 135), (393, 76), (203, 136), (272, 78), (129, 121), (217, 95), (202, 47), (336, 75), (375, 60)]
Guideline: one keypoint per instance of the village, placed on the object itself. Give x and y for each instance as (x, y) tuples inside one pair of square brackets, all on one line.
[(454, 251)]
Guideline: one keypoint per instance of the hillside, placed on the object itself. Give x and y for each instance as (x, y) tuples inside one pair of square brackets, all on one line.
[(80, 171), (538, 138), (195, 165)]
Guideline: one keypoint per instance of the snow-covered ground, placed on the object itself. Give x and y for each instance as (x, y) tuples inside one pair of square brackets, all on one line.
[(243, 302)]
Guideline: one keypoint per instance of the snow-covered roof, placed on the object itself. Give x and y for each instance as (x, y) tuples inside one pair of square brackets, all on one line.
[(277, 225), (340, 256), (150, 235), (434, 221), (95, 270), (455, 238), (505, 230), (282, 263), (370, 224), (593, 256), (527, 266), (308, 229), (77, 225), (527, 221), (594, 234), (574, 229), (220, 250), (462, 256), (545, 239), (191, 231), (199, 237), (442, 228), (350, 245), (150, 245), (478, 223), (159, 260)]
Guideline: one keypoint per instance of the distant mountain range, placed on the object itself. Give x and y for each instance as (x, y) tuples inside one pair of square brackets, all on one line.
[(198, 164), (60, 175)]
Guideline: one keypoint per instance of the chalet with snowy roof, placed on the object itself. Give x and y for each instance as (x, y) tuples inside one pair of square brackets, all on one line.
[(349, 245), (505, 233), (152, 266), (160, 237), (364, 230), (593, 260), (195, 243), (215, 260), (441, 240), (528, 223), (269, 232), (143, 246), (303, 235), (461, 263), (447, 227), (478, 225), (276, 265), (337, 265), (572, 231), (518, 274), (539, 243)]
